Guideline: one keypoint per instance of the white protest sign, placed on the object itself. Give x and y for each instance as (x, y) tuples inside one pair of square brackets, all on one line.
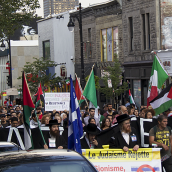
[(57, 101)]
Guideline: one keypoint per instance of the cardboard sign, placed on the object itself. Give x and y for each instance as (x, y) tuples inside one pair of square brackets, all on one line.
[(57, 101)]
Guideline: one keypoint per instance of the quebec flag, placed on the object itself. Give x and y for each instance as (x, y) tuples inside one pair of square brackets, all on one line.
[(75, 129)]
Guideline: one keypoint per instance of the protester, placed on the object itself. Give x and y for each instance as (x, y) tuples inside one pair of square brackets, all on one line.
[(13, 114), (58, 117), (127, 103), (110, 118), (45, 120), (91, 115), (149, 114), (90, 141), (161, 136), (4, 122), (126, 137), (122, 110), (34, 122), (86, 114), (114, 115), (20, 122), (131, 111), (109, 111), (92, 121), (136, 112), (14, 122), (105, 124), (53, 138), (142, 113)]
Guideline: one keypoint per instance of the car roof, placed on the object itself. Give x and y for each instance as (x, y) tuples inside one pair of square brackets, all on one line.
[(3, 144), (41, 155)]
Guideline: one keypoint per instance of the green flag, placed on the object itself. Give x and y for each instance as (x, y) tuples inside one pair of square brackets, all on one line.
[(90, 90)]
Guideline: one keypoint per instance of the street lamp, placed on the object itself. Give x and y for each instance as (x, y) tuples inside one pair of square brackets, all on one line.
[(71, 28), (71, 25)]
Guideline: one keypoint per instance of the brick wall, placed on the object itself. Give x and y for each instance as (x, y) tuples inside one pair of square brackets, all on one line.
[(135, 9)]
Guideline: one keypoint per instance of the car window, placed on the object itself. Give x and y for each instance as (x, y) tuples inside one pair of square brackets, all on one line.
[(60, 166), (10, 148)]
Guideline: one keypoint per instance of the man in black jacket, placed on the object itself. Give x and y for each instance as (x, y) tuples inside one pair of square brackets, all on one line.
[(90, 141), (53, 138), (126, 137)]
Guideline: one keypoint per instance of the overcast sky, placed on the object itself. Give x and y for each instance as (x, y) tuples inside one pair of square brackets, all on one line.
[(84, 3)]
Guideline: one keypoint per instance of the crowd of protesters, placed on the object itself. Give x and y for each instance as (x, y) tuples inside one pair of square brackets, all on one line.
[(95, 121)]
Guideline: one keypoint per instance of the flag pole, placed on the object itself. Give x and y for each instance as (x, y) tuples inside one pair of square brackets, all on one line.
[(40, 128), (81, 89)]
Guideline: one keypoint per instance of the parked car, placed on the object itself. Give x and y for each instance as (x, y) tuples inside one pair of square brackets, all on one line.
[(9, 146), (50, 160)]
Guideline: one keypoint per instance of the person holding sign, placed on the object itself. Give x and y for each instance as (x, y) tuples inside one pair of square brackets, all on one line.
[(126, 137), (53, 138), (90, 141)]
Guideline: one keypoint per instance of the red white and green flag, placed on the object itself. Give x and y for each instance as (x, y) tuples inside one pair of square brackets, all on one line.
[(78, 91), (158, 77), (67, 82), (28, 106), (131, 98), (163, 101)]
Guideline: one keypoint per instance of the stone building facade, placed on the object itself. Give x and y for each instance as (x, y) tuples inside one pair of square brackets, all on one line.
[(146, 29), (102, 38)]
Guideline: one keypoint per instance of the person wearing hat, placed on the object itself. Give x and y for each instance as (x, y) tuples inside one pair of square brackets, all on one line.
[(90, 141), (53, 138), (126, 136)]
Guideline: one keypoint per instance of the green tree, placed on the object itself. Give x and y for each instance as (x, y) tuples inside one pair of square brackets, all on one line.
[(115, 75), (37, 71), (14, 13)]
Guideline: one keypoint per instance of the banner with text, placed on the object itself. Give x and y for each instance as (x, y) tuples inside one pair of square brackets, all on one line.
[(57, 101), (145, 159)]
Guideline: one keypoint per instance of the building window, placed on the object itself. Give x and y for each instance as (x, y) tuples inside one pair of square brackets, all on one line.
[(46, 49), (88, 45), (131, 43), (109, 44), (146, 31)]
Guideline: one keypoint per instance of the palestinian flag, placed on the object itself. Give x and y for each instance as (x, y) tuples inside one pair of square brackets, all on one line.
[(163, 101), (78, 91), (28, 106), (158, 77), (41, 93), (131, 98)]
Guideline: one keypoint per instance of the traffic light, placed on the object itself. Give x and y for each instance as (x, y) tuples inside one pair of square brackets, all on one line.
[(8, 81)]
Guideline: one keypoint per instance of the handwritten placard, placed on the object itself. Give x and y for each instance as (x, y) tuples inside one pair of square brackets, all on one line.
[(57, 101)]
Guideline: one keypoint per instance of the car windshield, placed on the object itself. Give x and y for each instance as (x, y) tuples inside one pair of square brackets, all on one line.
[(9, 148), (60, 166)]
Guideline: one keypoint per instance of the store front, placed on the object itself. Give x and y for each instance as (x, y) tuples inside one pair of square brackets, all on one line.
[(137, 74)]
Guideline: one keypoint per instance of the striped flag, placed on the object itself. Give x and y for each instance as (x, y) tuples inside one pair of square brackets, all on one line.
[(158, 77), (75, 129), (78, 91), (131, 98), (28, 106), (163, 101)]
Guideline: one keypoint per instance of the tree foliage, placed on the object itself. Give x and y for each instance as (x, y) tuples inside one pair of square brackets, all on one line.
[(115, 75), (36, 73), (14, 13)]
